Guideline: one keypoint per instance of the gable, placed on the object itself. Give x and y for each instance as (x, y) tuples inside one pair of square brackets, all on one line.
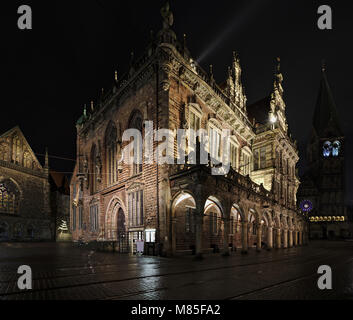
[(15, 148)]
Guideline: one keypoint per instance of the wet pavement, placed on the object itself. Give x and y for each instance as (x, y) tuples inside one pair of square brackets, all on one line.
[(64, 272)]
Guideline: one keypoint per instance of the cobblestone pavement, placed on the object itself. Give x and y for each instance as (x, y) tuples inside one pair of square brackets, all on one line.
[(64, 272)]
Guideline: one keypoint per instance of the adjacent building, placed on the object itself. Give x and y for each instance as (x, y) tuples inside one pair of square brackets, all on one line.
[(322, 191), (184, 207)]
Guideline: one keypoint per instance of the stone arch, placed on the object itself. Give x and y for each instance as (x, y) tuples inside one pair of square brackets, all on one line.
[(253, 225), (213, 227), (183, 222), (111, 218)]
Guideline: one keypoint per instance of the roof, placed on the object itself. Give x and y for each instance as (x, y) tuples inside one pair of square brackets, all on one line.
[(259, 110), (59, 182), (325, 114)]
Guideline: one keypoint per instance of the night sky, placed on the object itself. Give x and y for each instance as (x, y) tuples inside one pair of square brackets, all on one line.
[(49, 73)]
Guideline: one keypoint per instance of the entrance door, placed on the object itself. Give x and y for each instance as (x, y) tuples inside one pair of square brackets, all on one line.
[(122, 236)]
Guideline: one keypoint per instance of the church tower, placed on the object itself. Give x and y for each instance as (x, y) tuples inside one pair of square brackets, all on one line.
[(322, 192)]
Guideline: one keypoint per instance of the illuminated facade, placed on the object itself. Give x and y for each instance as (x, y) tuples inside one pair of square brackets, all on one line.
[(25, 213), (323, 184), (181, 208)]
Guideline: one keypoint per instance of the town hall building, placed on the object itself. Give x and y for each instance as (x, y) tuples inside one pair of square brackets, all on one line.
[(180, 208)]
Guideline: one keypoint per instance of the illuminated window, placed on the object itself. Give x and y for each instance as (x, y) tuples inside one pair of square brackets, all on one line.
[(245, 163), (4, 152), (234, 156), (336, 146), (9, 197), (195, 121), (260, 158), (16, 150), (150, 235), (27, 160), (135, 200), (215, 143), (327, 148)]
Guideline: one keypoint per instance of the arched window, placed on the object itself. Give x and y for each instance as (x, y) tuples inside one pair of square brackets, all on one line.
[(9, 197), (110, 142), (136, 123), (93, 169), (16, 150), (336, 146), (4, 152), (327, 148), (27, 160)]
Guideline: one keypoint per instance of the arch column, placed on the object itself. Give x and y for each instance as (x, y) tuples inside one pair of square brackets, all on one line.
[(198, 232), (259, 237), (226, 222), (290, 242), (244, 237), (285, 238), (278, 238), (270, 238)]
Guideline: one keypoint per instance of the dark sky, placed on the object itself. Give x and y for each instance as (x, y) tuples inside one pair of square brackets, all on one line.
[(50, 72)]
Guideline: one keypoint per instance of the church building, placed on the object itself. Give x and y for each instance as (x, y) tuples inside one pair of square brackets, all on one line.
[(322, 191), (24, 191)]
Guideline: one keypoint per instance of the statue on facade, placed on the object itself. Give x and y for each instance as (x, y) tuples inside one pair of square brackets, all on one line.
[(167, 15)]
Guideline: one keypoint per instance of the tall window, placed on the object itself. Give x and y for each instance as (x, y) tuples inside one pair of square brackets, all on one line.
[(246, 165), (94, 215), (4, 152), (93, 170), (73, 218), (16, 150), (336, 146), (260, 158), (195, 122), (80, 217), (213, 223), (135, 200), (327, 148), (110, 141), (215, 143), (27, 160), (136, 123), (9, 197), (233, 155)]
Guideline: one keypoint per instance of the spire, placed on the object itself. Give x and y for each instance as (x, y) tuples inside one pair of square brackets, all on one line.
[(325, 114), (46, 165), (278, 77), (116, 76), (167, 16)]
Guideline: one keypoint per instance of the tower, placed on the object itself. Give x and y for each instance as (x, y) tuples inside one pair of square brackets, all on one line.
[(324, 182)]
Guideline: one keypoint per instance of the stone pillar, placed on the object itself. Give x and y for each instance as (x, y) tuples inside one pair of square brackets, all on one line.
[(226, 236), (278, 238), (244, 237), (290, 239), (285, 239), (259, 237), (269, 238), (198, 234)]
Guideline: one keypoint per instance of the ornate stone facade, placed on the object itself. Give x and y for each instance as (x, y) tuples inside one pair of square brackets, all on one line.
[(24, 191), (185, 207)]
